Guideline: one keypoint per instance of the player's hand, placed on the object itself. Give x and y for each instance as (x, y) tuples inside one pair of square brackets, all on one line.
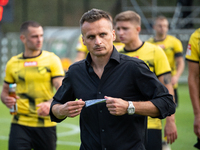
[(71, 108), (170, 131), (197, 126), (10, 101), (43, 108), (116, 106), (174, 80)]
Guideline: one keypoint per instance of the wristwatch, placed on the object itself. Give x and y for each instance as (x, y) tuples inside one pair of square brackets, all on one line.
[(131, 108)]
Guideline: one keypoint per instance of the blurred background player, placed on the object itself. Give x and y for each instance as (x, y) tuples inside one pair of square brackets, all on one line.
[(128, 27), (35, 72), (173, 49), (192, 57)]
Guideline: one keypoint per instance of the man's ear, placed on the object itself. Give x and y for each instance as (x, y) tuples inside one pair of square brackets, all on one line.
[(22, 38), (114, 35), (138, 28), (83, 40)]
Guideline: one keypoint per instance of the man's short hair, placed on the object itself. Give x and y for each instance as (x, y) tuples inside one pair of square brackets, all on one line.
[(25, 25), (128, 16), (94, 15)]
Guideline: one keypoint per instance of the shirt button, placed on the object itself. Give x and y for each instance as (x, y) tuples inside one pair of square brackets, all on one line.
[(99, 92), (102, 130)]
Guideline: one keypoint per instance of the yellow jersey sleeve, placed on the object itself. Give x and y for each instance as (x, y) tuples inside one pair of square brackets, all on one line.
[(192, 53), (9, 77), (161, 62), (56, 66), (178, 48)]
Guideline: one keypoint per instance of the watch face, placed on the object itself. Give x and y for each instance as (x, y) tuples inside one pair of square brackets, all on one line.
[(131, 111), (131, 108)]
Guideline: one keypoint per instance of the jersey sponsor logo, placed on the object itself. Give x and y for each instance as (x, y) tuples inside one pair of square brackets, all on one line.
[(30, 63), (188, 49)]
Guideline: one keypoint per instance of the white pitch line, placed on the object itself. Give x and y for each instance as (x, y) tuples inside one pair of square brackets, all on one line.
[(74, 130)]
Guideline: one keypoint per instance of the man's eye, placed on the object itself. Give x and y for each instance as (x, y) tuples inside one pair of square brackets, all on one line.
[(125, 28), (103, 34), (91, 37)]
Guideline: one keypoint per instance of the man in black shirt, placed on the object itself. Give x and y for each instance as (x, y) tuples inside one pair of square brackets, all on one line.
[(131, 90)]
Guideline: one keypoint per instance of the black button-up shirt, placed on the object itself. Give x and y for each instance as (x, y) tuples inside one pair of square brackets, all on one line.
[(123, 77)]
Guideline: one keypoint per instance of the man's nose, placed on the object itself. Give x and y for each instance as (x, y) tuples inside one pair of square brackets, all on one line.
[(98, 41), (119, 32)]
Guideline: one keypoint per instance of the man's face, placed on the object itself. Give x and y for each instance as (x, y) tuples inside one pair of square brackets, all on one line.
[(98, 36), (161, 27), (127, 31), (33, 38)]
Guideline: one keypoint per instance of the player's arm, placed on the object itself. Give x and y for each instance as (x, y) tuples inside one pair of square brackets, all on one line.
[(193, 82), (170, 127), (45, 106), (5, 98), (180, 68)]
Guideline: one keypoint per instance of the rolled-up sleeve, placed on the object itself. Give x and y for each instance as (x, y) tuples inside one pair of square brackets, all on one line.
[(155, 91)]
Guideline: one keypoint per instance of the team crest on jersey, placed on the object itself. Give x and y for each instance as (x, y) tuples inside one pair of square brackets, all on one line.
[(30, 63), (188, 49)]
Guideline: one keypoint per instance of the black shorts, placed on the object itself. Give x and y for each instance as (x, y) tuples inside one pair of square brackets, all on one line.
[(154, 141), (176, 96), (26, 138)]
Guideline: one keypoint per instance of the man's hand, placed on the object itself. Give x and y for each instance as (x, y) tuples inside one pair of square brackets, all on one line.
[(174, 80), (10, 101), (116, 106), (43, 108), (170, 130), (69, 109)]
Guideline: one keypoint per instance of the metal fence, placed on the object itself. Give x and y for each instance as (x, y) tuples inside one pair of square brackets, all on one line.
[(62, 41)]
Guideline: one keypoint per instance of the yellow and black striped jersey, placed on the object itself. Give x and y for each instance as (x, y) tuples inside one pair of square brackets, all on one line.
[(172, 48), (157, 61), (192, 53), (152, 55), (33, 77), (193, 49)]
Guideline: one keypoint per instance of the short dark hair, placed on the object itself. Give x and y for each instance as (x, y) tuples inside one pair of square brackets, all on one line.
[(25, 25), (94, 15)]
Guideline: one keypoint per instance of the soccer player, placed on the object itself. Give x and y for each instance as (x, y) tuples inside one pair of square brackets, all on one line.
[(128, 27), (35, 72), (192, 57), (172, 48), (131, 91)]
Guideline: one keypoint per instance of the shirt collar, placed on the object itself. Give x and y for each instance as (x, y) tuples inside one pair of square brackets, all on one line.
[(114, 56)]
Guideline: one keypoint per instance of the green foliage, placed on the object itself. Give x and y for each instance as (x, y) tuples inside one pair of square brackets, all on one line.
[(69, 138)]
